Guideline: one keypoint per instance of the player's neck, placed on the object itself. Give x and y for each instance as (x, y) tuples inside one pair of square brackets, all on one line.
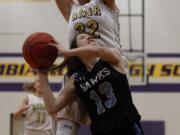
[(82, 2), (90, 63), (38, 94)]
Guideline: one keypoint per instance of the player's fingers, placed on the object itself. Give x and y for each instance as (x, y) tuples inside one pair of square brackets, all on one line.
[(53, 44)]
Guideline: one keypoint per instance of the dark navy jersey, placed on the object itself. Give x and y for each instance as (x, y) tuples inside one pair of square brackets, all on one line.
[(106, 95)]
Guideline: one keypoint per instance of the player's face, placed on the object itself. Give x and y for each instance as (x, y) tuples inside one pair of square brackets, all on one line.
[(37, 85), (85, 39)]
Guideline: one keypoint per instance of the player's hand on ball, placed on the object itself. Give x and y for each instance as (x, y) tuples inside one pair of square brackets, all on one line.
[(62, 50), (42, 71)]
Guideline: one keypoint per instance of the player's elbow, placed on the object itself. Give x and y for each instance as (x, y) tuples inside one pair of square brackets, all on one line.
[(51, 109)]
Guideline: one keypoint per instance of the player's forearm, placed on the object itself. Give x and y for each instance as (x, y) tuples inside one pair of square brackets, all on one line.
[(17, 114), (105, 53), (82, 51), (47, 93)]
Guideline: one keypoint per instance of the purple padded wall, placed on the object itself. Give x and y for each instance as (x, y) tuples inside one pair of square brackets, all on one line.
[(149, 127)]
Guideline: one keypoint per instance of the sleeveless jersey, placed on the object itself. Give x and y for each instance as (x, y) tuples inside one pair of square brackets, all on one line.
[(106, 95), (37, 117), (96, 18)]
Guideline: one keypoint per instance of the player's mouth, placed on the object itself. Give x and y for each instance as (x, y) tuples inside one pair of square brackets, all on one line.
[(91, 41)]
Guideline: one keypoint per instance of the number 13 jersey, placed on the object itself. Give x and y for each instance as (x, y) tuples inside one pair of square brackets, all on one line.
[(105, 93)]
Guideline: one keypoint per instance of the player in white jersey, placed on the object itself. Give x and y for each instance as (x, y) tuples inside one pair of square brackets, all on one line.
[(37, 121), (100, 18)]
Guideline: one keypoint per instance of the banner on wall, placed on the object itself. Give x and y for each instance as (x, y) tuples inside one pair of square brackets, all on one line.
[(15, 69), (160, 70), (14, 72)]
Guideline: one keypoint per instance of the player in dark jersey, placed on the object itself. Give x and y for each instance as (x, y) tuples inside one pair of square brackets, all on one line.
[(98, 77)]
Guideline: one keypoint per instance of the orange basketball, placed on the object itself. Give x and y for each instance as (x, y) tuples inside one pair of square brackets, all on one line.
[(37, 52)]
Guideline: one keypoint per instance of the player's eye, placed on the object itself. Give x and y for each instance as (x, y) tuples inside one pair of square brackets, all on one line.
[(81, 37)]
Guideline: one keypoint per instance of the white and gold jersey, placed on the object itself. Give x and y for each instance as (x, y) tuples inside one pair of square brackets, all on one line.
[(95, 18), (37, 117)]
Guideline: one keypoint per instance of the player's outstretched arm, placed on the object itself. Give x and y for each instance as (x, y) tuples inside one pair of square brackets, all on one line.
[(109, 54), (53, 104), (64, 7), (22, 108)]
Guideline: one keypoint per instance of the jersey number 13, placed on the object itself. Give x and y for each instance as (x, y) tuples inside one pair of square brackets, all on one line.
[(106, 90)]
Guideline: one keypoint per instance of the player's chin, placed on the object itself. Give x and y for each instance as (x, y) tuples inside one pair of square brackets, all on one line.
[(93, 43)]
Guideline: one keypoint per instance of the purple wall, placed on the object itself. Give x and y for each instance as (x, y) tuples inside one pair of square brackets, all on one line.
[(149, 127)]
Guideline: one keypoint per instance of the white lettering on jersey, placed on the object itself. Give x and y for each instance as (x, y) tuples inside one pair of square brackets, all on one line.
[(92, 81)]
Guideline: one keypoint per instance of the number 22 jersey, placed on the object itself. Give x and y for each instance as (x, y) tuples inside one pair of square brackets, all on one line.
[(96, 18)]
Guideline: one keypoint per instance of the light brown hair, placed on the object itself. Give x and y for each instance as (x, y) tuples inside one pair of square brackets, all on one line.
[(29, 87)]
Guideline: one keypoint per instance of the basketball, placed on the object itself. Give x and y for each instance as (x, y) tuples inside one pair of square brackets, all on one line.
[(37, 52)]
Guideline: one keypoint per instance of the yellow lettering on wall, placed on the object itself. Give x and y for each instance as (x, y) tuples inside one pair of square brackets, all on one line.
[(155, 70), (22, 70)]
